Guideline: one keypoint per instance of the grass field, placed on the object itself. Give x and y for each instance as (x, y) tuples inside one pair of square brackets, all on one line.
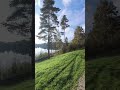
[(25, 85), (60, 72), (103, 73)]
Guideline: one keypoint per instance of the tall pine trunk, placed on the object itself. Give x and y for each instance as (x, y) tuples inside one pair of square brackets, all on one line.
[(48, 46)]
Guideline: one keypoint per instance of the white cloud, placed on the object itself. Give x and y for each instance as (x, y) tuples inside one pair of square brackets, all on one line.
[(61, 13), (83, 26), (37, 23), (76, 18), (69, 33), (38, 3), (66, 2)]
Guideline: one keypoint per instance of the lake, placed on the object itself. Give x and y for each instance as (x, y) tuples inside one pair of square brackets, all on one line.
[(8, 58), (41, 50)]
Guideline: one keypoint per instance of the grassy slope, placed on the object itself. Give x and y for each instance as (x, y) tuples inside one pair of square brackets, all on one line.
[(61, 72), (103, 73), (26, 85)]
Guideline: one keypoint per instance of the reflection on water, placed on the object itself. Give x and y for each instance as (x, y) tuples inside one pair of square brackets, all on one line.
[(8, 58), (13, 64)]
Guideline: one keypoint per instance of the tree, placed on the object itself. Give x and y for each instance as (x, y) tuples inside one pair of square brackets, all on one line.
[(66, 41), (20, 21), (64, 24), (55, 37), (58, 41), (48, 22), (79, 38), (102, 37), (104, 21)]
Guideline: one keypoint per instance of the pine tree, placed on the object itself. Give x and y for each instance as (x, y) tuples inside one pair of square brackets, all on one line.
[(79, 37), (20, 21), (64, 24), (103, 27), (102, 37), (48, 22)]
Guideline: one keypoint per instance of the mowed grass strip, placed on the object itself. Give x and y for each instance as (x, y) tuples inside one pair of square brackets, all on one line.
[(103, 73), (61, 72)]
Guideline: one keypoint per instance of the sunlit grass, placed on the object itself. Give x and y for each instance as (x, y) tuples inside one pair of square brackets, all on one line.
[(61, 72)]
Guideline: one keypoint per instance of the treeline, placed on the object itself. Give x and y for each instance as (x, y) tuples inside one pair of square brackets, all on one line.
[(104, 39), (22, 47), (77, 43)]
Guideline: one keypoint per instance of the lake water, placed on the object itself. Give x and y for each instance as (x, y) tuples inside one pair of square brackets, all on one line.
[(8, 58), (41, 50)]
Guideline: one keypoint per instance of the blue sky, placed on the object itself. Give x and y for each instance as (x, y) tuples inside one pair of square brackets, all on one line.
[(73, 9)]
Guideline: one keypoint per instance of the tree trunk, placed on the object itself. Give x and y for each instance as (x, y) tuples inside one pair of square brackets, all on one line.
[(64, 35), (51, 47), (48, 46), (49, 38)]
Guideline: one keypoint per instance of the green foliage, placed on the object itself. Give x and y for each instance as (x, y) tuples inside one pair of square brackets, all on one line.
[(59, 44), (64, 21), (64, 24), (60, 72), (42, 55), (77, 43), (103, 73), (79, 38)]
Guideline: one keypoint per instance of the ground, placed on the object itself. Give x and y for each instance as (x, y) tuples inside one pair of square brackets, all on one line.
[(25, 85), (81, 83), (103, 73), (61, 72)]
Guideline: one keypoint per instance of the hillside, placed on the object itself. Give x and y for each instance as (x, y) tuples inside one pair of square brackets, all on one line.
[(61, 72), (25, 85), (103, 73)]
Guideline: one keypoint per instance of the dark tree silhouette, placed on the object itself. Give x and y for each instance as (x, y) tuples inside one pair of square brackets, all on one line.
[(20, 21), (105, 34)]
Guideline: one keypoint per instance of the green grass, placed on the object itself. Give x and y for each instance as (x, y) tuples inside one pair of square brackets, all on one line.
[(25, 85), (60, 72), (103, 73)]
